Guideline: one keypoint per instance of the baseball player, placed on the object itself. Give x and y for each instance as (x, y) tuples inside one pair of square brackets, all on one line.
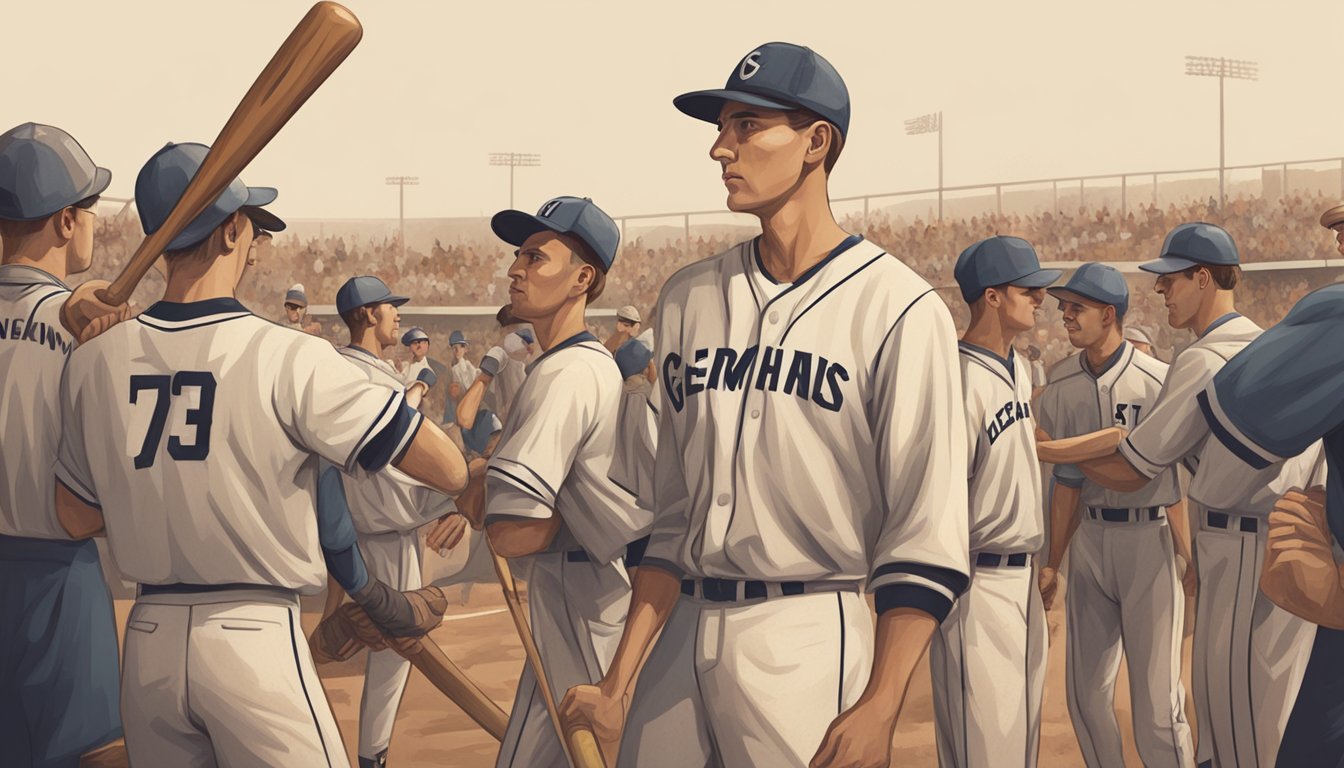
[(296, 310), (1249, 654), (632, 468), (387, 507), (1125, 593), (1140, 340), (193, 434), (461, 374), (503, 368), (627, 327), (418, 376), (987, 659), (549, 496), (811, 439), (1273, 400), (58, 639)]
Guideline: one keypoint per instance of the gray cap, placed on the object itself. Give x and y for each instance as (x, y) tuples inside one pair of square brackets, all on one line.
[(1097, 282), (164, 179), (629, 314), (1194, 244), (42, 170), (364, 290), (577, 216)]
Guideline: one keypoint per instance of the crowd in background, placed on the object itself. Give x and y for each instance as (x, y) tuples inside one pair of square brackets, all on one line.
[(473, 274)]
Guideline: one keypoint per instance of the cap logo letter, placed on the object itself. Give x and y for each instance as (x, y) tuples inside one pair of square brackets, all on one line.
[(549, 208), (750, 66)]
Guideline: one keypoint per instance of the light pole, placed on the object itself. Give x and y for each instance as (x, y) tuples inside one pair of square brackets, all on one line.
[(1221, 68), (930, 123), (402, 182), (514, 160)]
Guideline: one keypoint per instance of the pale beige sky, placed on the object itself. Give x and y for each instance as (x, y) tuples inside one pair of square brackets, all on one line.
[(1027, 90)]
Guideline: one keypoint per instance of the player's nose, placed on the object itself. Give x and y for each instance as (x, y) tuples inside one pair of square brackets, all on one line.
[(724, 148)]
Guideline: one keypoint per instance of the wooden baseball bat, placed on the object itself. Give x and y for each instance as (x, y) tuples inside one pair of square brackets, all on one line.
[(320, 42), (580, 746), (454, 683)]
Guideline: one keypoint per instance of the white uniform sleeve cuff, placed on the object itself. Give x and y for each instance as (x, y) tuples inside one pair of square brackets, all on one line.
[(522, 479), (1137, 460)]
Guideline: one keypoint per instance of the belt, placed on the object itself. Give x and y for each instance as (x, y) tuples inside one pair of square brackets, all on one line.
[(1112, 515), (991, 560), (577, 556), (1230, 522), (733, 590), (194, 589)]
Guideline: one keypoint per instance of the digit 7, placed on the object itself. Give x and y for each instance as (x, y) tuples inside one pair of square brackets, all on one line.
[(157, 420)]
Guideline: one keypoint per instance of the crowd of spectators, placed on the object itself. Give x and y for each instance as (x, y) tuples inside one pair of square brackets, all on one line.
[(473, 274)]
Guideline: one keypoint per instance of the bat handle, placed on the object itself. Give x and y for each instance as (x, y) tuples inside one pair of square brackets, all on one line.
[(583, 745)]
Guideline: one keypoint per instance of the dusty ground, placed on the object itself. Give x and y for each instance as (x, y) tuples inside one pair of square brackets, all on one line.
[(479, 637)]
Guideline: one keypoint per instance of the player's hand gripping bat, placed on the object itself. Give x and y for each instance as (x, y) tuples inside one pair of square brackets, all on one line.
[(320, 42)]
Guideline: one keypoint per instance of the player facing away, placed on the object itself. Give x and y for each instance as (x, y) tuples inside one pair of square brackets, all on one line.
[(548, 496), (58, 639), (987, 659), (193, 433), (1249, 655), (387, 507), (1124, 589), (811, 439)]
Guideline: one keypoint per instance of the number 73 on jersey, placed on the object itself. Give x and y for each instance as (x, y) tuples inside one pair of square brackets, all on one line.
[(188, 396)]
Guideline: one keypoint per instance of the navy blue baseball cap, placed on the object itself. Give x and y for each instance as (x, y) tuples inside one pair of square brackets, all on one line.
[(365, 290), (1097, 282), (415, 334), (577, 216), (42, 170), (165, 177), (779, 76), (633, 357), (1000, 260), (455, 338), (1192, 245)]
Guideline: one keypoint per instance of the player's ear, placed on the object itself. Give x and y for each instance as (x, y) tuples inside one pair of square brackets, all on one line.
[(232, 230), (65, 221), (820, 137), (584, 279)]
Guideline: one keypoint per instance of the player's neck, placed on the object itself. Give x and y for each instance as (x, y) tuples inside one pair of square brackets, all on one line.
[(1221, 303), (988, 333), (192, 278), (50, 260), (1097, 354), (566, 322), (800, 231), (367, 340)]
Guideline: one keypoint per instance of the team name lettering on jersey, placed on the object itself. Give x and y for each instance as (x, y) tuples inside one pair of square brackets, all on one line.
[(17, 329), (794, 372), (1010, 414)]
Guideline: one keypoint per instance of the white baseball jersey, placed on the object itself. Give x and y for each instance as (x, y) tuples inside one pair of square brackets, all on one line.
[(388, 499), (813, 430), (507, 376), (636, 441), (33, 350), (1005, 480), (464, 373), (1078, 401), (413, 372), (1176, 430), (195, 427), (556, 448)]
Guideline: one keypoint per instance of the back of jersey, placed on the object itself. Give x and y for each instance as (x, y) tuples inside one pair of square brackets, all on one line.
[(33, 350), (195, 427)]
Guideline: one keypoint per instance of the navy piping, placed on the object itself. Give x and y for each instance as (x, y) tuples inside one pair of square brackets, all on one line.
[(1250, 694), (652, 407), (887, 337), (746, 270), (1007, 362), (538, 494), (577, 338), (298, 667), (527, 711), (974, 358), (360, 446), (1225, 437), (401, 454), (148, 324), (1220, 321), (79, 495), (43, 300), (1106, 366), (554, 493), (618, 484), (840, 686), (826, 293)]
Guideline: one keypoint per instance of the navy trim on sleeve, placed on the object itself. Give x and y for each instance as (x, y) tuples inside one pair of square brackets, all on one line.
[(378, 452), (634, 552), (1255, 460), (427, 376), (411, 439), (953, 581), (930, 601)]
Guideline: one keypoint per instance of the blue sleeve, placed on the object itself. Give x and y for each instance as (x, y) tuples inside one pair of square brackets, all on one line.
[(336, 532), (392, 441), (428, 377), (1068, 475), (1285, 390)]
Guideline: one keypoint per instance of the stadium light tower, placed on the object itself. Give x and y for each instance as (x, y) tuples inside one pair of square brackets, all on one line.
[(1221, 68), (514, 160), (402, 182), (930, 123)]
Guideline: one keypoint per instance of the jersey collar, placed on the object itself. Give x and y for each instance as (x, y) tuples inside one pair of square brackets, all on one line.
[(1107, 366), (1007, 362), (22, 274), (1214, 325), (577, 338), (845, 245)]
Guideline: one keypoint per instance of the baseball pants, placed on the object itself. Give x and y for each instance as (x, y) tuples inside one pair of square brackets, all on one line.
[(1124, 596), (1250, 655), (394, 559), (748, 683), (223, 678), (987, 661), (577, 610)]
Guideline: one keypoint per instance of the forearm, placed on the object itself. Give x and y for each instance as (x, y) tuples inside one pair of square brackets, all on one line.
[(470, 403), (655, 593), (1300, 602), (1074, 450), (1179, 522), (1113, 472), (902, 636), (415, 394), (519, 538), (432, 459), (1064, 521)]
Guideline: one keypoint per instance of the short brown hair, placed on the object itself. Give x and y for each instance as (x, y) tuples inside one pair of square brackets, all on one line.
[(802, 118), (583, 253), (1225, 276)]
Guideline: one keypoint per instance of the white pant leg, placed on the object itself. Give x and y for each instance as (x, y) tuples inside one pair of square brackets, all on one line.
[(1094, 646), (1152, 607), (1038, 653), (577, 611), (394, 559), (159, 729), (231, 667), (775, 674), (984, 668), (666, 726)]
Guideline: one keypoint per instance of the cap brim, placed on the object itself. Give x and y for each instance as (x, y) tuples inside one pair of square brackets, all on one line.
[(514, 227), (101, 179), (1061, 292), (1167, 265), (707, 105), (258, 197), (395, 301), (1038, 279)]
